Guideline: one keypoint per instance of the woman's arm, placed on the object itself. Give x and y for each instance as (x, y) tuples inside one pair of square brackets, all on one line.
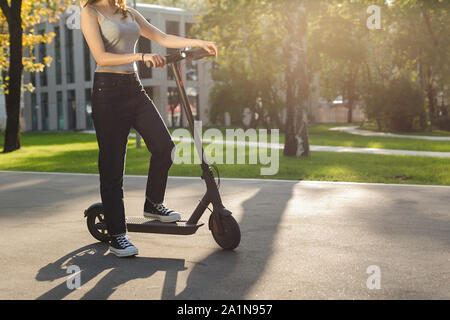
[(91, 32), (151, 32)]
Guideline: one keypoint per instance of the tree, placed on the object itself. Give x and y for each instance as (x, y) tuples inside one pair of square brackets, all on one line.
[(21, 36), (423, 38), (396, 106), (414, 43), (260, 39), (339, 39), (247, 66), (297, 89)]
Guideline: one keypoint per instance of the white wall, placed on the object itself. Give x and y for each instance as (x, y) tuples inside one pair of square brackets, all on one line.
[(2, 112)]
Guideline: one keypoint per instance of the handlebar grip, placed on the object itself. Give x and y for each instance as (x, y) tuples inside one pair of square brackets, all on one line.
[(193, 54), (199, 53), (169, 59)]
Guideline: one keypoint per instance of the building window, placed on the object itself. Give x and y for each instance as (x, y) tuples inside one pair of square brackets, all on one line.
[(174, 111), (71, 110), (34, 112), (192, 70), (44, 110), (42, 55), (58, 55), (144, 46), (172, 27), (87, 61), (60, 110), (89, 121), (70, 74), (192, 94), (33, 78), (192, 66)]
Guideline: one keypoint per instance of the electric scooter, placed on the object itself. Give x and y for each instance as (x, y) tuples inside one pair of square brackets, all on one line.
[(223, 226)]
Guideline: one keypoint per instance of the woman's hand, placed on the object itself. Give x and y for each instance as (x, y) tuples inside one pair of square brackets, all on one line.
[(157, 60), (208, 46)]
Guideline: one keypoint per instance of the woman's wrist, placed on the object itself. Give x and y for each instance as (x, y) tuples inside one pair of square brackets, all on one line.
[(196, 42), (138, 56)]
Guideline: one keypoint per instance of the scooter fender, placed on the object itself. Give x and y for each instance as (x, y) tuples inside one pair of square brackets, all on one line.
[(217, 215), (224, 212)]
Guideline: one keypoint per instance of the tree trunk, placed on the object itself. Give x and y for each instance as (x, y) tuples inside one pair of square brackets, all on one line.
[(431, 97), (350, 112), (351, 93), (380, 128), (290, 143), (12, 99), (296, 142)]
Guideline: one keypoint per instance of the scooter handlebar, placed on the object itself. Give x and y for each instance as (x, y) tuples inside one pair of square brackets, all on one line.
[(193, 54)]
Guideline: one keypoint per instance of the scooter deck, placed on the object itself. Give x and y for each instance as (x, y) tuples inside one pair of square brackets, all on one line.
[(146, 225)]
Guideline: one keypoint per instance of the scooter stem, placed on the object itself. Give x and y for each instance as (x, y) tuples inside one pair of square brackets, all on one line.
[(212, 193)]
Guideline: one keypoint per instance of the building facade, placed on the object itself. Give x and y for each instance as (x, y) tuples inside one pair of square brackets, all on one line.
[(62, 99)]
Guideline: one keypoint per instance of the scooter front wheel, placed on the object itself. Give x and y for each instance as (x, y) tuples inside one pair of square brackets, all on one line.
[(230, 237), (96, 224)]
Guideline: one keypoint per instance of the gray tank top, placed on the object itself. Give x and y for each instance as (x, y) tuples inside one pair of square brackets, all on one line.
[(119, 38)]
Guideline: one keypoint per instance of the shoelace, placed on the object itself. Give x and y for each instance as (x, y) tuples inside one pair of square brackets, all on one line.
[(123, 241), (162, 208)]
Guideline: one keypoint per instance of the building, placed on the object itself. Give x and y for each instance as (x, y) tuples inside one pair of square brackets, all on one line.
[(3, 112), (62, 97)]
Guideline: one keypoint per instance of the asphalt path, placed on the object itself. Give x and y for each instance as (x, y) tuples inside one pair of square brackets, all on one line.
[(300, 240)]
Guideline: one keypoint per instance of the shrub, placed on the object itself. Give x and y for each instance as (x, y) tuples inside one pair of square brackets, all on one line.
[(443, 123), (397, 106)]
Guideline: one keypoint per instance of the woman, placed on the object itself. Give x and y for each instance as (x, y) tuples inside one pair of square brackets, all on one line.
[(120, 102)]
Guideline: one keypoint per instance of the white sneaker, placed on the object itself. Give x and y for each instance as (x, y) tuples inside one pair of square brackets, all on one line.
[(160, 212), (122, 247)]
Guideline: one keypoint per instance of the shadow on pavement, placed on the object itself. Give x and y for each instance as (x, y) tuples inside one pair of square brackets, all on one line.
[(232, 274), (220, 275), (92, 261)]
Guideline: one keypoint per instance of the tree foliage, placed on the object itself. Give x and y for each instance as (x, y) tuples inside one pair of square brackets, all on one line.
[(18, 19)]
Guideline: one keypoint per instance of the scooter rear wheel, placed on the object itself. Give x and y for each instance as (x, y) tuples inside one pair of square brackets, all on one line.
[(96, 224), (230, 238)]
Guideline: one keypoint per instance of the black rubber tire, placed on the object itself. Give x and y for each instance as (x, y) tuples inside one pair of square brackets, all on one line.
[(231, 236), (95, 216)]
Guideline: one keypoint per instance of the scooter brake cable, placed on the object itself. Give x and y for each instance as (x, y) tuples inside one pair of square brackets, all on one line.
[(181, 68)]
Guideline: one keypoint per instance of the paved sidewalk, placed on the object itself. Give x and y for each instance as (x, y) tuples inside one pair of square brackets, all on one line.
[(300, 240), (333, 148), (367, 133)]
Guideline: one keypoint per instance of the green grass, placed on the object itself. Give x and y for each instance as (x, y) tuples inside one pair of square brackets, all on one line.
[(78, 152), (320, 135)]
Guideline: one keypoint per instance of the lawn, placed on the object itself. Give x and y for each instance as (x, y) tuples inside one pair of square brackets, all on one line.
[(321, 136), (78, 152)]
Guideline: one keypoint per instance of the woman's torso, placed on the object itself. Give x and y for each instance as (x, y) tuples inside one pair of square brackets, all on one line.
[(119, 38)]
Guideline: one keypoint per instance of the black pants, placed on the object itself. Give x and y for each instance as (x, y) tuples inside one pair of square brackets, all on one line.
[(120, 102)]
